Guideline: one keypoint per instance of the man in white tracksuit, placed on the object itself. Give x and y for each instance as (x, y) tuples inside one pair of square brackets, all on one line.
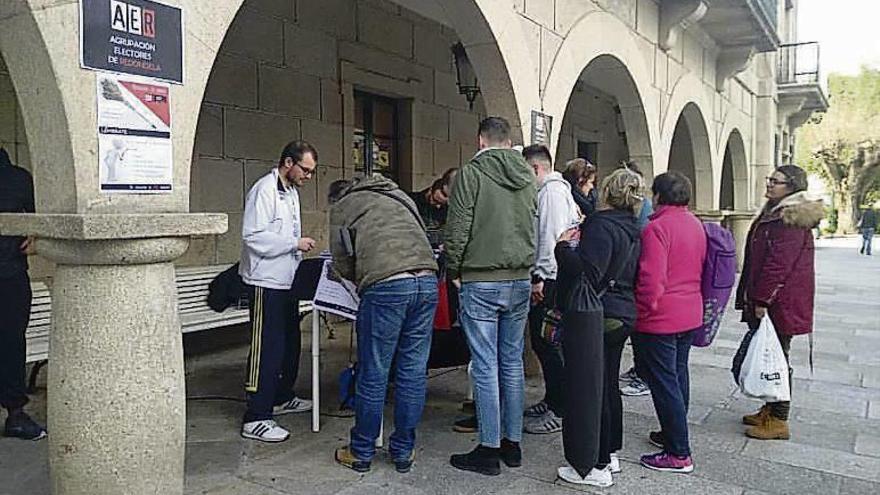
[(272, 248), (557, 212)]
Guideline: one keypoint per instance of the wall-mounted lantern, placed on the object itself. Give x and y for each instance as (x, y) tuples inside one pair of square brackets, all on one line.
[(467, 78)]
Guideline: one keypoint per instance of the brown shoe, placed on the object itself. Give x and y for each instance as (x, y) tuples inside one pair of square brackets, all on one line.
[(771, 429), (757, 418)]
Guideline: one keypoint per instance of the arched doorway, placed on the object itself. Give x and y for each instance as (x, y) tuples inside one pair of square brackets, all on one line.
[(361, 80), (734, 175), (690, 154), (604, 120)]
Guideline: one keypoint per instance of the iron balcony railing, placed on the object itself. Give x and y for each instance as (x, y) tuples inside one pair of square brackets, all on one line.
[(798, 63)]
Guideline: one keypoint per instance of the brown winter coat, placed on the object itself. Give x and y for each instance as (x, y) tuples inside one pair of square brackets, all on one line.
[(778, 271)]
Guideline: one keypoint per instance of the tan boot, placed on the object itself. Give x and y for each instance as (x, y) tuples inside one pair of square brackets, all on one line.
[(757, 418), (771, 429)]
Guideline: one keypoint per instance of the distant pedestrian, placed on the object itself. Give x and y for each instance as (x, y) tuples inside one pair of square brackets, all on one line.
[(778, 277), (16, 196), (607, 256), (272, 248), (670, 308), (378, 242), (867, 227), (490, 240), (582, 176), (557, 212)]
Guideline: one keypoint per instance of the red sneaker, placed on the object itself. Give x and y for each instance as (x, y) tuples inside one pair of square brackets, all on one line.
[(668, 463)]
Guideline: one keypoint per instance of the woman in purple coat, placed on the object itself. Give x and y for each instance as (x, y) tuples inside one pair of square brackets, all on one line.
[(778, 278)]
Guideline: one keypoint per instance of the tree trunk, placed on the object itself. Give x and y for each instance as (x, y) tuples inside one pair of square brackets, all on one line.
[(846, 212)]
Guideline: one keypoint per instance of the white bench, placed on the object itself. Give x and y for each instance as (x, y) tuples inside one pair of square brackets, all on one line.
[(195, 315)]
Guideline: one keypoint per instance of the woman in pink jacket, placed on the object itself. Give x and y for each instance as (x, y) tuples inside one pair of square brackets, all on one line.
[(670, 307)]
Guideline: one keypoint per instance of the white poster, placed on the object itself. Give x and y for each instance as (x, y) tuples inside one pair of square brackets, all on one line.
[(134, 135), (334, 297)]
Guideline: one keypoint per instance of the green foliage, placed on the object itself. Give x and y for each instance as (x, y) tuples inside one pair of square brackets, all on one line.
[(843, 145)]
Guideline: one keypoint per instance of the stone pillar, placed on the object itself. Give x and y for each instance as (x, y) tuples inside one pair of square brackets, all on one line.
[(713, 216), (739, 222), (116, 390)]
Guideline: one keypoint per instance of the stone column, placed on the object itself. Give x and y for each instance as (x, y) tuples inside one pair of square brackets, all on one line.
[(739, 222), (713, 216), (116, 394)]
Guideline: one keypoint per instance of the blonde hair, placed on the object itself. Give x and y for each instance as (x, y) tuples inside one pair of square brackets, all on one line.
[(622, 190)]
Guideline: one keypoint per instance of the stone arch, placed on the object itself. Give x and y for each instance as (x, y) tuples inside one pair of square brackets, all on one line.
[(734, 174), (597, 36), (621, 131), (495, 43), (690, 153)]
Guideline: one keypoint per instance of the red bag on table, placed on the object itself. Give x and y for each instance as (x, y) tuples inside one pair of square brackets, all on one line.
[(442, 317)]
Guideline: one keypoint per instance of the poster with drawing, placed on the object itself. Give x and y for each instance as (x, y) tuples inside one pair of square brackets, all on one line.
[(134, 135), (338, 297)]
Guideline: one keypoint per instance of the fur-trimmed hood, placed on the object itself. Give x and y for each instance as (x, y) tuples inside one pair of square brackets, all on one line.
[(797, 210)]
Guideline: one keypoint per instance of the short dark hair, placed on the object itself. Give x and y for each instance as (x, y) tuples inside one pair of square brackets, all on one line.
[(672, 188), (336, 190), (495, 129), (632, 166), (537, 152), (296, 150), (797, 177)]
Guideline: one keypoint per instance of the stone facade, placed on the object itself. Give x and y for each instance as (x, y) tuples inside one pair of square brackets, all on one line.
[(296, 80)]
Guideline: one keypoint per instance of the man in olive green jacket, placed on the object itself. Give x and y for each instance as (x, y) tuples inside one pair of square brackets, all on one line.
[(490, 243), (378, 241)]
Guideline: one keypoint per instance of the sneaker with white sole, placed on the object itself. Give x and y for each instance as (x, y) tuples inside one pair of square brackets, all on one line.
[(596, 477), (536, 410), (629, 375), (294, 405), (546, 424), (266, 430), (614, 465), (635, 388)]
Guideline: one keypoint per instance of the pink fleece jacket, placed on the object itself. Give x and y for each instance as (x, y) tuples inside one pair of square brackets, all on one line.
[(668, 297)]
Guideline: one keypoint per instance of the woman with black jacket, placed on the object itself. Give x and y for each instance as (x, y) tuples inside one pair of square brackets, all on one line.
[(606, 257)]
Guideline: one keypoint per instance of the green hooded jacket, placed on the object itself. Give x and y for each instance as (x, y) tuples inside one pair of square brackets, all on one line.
[(490, 227), (375, 232)]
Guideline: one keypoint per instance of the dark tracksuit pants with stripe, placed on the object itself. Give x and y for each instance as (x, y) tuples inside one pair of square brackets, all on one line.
[(276, 342)]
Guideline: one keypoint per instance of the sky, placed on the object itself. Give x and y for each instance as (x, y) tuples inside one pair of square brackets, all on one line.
[(848, 32)]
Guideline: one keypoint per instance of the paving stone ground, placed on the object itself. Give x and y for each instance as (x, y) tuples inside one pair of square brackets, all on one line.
[(835, 447)]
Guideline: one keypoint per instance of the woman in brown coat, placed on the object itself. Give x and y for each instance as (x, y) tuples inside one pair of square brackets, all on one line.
[(778, 277)]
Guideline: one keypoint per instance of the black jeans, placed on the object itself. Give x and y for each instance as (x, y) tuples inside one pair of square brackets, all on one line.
[(276, 341), (662, 361), (781, 410), (15, 312), (549, 355), (611, 436)]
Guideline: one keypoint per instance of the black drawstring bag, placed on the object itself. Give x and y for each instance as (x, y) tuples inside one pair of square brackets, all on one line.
[(582, 344)]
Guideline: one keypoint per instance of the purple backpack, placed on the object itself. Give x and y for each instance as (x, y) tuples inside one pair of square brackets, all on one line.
[(719, 275)]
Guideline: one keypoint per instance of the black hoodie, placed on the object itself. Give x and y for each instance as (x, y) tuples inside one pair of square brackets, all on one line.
[(609, 249), (16, 196)]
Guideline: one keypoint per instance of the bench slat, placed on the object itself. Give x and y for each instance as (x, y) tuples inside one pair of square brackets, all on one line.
[(192, 291)]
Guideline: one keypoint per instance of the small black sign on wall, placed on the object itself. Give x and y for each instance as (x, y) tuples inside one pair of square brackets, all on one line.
[(138, 37), (542, 125)]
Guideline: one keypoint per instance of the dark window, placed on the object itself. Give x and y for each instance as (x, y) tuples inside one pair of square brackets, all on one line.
[(588, 151), (375, 122)]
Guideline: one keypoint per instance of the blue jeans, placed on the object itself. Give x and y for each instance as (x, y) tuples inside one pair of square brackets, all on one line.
[(662, 361), (493, 315), (867, 237), (394, 322)]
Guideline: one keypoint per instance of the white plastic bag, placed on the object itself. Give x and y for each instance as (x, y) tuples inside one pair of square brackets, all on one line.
[(764, 373)]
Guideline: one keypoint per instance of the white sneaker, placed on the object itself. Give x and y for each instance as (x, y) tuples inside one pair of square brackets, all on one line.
[(266, 430), (596, 477), (614, 465), (294, 405)]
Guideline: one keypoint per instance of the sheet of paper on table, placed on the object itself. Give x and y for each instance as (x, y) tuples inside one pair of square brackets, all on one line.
[(335, 297)]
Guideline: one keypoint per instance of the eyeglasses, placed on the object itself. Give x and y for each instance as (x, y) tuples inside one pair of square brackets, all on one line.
[(307, 171), (773, 181)]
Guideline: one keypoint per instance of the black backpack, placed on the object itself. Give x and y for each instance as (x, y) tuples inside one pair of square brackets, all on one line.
[(226, 290)]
